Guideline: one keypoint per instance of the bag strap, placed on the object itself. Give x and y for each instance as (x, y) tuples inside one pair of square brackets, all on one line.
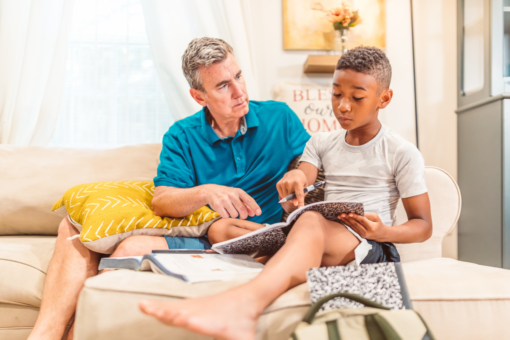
[(310, 315)]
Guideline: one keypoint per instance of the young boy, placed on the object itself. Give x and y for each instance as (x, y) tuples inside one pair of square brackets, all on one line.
[(366, 162)]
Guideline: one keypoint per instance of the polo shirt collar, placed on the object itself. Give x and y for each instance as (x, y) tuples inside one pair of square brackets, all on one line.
[(250, 120)]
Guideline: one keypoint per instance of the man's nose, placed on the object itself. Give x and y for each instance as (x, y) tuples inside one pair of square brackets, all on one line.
[(237, 91)]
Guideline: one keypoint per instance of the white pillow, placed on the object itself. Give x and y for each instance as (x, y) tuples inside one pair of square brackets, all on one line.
[(311, 103)]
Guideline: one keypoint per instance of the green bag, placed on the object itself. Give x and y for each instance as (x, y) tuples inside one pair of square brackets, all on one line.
[(374, 322)]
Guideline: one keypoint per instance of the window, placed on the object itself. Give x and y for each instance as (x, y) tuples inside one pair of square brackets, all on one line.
[(112, 96)]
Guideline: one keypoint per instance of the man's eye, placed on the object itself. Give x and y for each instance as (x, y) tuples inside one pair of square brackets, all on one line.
[(238, 77), (357, 99), (223, 86), (337, 95)]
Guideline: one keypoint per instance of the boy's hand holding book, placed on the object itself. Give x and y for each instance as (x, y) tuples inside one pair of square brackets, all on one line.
[(369, 226)]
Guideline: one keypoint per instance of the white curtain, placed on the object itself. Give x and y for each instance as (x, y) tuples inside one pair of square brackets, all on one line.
[(33, 51), (171, 25)]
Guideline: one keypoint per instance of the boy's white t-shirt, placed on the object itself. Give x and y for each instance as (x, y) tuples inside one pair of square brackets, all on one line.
[(376, 174)]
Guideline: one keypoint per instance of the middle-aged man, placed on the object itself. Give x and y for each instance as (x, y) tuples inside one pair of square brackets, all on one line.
[(229, 155)]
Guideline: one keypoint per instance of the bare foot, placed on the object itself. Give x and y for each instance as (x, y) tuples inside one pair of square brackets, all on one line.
[(231, 315)]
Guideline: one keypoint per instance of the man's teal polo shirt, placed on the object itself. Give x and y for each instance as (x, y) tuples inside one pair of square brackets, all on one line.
[(255, 161)]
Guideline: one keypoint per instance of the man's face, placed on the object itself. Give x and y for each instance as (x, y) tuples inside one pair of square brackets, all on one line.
[(355, 99), (225, 91)]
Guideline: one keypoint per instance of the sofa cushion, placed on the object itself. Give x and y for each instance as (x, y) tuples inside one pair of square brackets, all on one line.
[(445, 292), (24, 261), (34, 178)]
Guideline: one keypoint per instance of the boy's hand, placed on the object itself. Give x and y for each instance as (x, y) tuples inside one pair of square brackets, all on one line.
[(293, 182), (369, 226)]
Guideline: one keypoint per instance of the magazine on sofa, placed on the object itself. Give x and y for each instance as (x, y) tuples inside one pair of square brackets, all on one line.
[(191, 268), (267, 240)]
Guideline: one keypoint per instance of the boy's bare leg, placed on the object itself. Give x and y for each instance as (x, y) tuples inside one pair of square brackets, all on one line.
[(232, 315), (71, 264), (229, 228)]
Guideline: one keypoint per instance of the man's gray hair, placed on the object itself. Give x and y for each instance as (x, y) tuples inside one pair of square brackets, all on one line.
[(203, 52)]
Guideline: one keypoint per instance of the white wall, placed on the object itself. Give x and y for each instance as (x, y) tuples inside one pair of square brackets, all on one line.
[(436, 72), (274, 65), (435, 39)]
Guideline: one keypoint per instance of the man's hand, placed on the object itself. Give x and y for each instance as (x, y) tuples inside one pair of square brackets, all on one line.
[(231, 202), (293, 182), (369, 226)]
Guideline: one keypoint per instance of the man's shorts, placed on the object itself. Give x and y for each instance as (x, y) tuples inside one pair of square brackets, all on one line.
[(176, 242)]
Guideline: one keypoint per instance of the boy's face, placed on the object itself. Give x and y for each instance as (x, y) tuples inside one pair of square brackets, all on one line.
[(356, 100)]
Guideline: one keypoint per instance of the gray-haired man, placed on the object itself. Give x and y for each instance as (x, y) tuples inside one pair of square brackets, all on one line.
[(229, 155)]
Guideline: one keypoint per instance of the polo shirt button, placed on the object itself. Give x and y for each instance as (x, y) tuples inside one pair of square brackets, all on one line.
[(238, 158)]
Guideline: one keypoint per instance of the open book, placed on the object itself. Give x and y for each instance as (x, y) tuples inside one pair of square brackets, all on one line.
[(267, 240), (191, 268)]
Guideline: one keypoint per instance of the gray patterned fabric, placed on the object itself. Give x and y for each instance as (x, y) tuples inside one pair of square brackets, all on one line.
[(313, 197), (377, 282)]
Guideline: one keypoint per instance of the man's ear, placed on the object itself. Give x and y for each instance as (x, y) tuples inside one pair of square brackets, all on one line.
[(198, 96), (385, 98)]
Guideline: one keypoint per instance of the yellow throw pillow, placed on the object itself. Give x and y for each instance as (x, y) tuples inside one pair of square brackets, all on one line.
[(107, 213)]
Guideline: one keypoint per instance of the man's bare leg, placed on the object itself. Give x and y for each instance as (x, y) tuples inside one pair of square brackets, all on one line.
[(139, 245), (71, 264), (233, 314)]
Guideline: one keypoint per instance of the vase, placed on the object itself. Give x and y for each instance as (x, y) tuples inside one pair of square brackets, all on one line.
[(341, 40)]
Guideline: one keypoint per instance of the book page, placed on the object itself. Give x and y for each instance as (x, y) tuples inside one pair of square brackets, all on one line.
[(206, 267), (126, 262)]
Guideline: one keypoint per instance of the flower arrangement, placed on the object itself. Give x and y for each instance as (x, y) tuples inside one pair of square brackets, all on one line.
[(343, 17)]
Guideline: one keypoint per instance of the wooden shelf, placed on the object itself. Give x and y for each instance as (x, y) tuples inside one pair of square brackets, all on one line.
[(320, 63)]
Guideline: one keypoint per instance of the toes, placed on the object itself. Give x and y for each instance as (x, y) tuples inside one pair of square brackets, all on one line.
[(158, 310)]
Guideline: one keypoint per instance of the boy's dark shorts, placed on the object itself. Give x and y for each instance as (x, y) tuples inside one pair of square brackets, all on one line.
[(381, 252)]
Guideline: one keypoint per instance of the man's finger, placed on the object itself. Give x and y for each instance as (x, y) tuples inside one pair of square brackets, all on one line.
[(230, 209), (249, 201), (239, 206), (220, 210), (251, 213)]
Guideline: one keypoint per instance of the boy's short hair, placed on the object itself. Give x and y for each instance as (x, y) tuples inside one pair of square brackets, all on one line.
[(368, 60)]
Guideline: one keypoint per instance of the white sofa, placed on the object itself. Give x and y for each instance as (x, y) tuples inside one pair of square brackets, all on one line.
[(458, 300)]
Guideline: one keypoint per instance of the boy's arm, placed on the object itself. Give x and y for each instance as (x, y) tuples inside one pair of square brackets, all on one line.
[(417, 229), (295, 181)]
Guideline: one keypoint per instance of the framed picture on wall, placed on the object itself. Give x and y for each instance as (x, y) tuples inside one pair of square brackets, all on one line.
[(306, 25)]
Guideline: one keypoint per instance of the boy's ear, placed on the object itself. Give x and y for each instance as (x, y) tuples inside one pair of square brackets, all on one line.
[(198, 96), (385, 98)]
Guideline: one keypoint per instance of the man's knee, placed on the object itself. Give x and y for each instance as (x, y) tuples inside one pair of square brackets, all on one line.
[(139, 245), (66, 229), (128, 247)]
